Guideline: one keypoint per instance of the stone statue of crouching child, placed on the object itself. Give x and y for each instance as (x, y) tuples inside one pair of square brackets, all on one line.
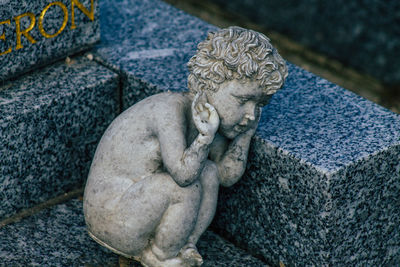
[(153, 185)]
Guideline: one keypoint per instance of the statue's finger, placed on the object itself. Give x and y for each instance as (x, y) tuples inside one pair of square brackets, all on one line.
[(195, 100), (210, 108), (200, 107), (213, 116)]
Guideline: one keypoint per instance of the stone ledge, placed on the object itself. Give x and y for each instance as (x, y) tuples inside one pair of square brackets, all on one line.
[(286, 210), (323, 179), (140, 46), (57, 237), (51, 122)]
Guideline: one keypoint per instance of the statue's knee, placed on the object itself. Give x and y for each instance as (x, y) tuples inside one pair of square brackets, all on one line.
[(210, 174), (191, 193), (211, 168)]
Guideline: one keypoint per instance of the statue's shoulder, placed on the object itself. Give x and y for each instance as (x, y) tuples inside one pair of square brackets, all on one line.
[(171, 96), (166, 100), (155, 109)]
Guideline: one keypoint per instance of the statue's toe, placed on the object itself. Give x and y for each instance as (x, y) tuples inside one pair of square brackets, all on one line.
[(191, 256)]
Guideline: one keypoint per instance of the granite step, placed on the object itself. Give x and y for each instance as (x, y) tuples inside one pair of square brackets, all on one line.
[(57, 236), (50, 123)]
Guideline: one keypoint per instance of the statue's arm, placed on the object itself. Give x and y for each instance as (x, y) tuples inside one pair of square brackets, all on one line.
[(185, 163), (232, 164)]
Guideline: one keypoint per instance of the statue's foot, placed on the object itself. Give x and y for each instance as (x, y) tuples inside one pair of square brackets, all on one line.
[(148, 259), (191, 256)]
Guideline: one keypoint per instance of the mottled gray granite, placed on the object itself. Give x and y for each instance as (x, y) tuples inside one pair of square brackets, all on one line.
[(45, 49), (148, 42), (50, 123), (363, 34), (322, 183), (57, 237), (322, 186)]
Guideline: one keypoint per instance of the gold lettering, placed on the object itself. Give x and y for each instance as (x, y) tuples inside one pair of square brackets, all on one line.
[(26, 31), (65, 20), (88, 13), (3, 37)]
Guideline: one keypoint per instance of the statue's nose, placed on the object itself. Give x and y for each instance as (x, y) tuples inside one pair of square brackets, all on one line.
[(247, 119), (250, 117)]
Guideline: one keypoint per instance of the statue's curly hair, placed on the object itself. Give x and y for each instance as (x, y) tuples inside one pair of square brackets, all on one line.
[(236, 53)]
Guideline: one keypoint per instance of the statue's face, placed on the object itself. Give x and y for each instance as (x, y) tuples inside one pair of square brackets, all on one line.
[(238, 105)]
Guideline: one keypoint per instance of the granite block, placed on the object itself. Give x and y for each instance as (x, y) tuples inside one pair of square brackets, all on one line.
[(147, 76), (322, 182), (51, 121), (363, 34), (149, 44), (149, 24), (37, 32), (57, 237)]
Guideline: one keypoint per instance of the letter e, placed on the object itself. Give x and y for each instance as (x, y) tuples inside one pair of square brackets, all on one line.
[(26, 31), (3, 37)]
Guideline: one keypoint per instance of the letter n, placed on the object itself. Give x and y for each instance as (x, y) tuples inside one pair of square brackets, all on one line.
[(89, 14)]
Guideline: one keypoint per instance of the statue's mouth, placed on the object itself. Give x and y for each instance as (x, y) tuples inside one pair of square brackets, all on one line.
[(240, 128)]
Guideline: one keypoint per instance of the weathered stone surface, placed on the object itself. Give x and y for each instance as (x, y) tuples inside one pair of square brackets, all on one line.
[(362, 34), (157, 163), (57, 237), (51, 121), (53, 36)]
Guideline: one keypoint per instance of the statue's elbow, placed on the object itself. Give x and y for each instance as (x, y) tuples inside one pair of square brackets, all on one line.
[(230, 176), (183, 179), (227, 182), (184, 183)]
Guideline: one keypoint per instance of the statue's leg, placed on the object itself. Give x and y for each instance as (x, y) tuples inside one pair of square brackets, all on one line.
[(151, 220), (139, 211), (210, 184), (178, 221)]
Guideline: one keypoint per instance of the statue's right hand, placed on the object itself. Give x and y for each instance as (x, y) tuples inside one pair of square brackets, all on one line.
[(205, 116)]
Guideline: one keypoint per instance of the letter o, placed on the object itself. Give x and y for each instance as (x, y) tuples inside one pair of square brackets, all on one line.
[(65, 20)]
